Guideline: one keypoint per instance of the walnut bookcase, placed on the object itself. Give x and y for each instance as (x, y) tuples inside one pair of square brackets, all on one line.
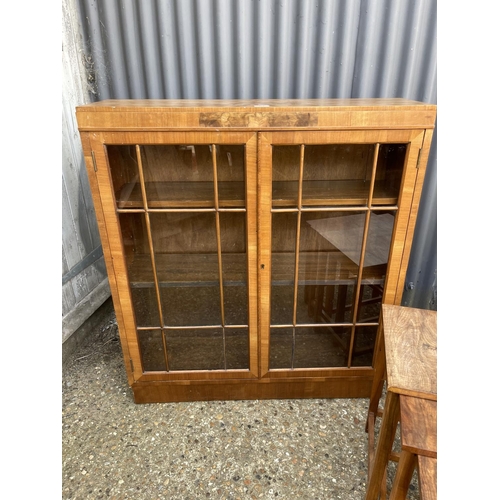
[(250, 244)]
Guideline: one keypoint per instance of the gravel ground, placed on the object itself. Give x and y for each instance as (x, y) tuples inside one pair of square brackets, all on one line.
[(289, 449)]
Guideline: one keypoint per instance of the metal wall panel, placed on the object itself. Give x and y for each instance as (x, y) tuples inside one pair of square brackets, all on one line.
[(84, 281), (225, 49)]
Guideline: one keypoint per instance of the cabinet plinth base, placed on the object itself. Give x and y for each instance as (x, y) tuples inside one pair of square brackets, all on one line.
[(168, 392)]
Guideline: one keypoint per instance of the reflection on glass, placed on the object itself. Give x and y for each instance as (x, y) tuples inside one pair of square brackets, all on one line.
[(280, 348), (284, 230), (390, 165), (337, 174), (321, 347), (237, 349), (195, 349), (364, 343), (325, 303), (330, 249), (375, 265), (286, 166), (231, 175), (178, 176), (151, 347), (125, 176)]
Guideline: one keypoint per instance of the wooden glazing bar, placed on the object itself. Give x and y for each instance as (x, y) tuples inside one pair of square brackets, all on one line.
[(187, 210), (219, 249), (164, 210), (197, 327), (297, 249), (151, 249), (322, 209), (363, 251)]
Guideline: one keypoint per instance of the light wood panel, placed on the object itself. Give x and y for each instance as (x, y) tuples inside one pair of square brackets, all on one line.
[(255, 114), (419, 426)]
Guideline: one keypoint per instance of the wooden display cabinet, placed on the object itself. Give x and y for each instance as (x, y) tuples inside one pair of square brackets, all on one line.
[(250, 244)]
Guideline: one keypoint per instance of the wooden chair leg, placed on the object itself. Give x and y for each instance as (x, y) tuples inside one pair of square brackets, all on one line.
[(384, 445), (379, 376), (404, 473)]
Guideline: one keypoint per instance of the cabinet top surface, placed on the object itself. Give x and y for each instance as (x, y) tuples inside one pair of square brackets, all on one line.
[(183, 105), (255, 114)]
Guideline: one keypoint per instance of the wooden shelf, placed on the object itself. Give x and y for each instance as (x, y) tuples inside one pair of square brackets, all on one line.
[(326, 268), (183, 195), (334, 193), (232, 194)]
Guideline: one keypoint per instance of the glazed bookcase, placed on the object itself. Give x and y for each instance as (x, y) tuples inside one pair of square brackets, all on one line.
[(250, 244)]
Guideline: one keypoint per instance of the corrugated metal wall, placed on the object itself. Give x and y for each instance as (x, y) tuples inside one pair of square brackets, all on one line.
[(224, 49), (84, 280)]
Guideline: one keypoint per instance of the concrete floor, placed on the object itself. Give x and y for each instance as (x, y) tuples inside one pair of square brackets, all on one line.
[(115, 449)]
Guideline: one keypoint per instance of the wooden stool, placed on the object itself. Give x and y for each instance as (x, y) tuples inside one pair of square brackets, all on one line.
[(418, 443), (405, 357)]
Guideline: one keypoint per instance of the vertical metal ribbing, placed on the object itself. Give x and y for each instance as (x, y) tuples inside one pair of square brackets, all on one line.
[(297, 248), (219, 250), (363, 249), (151, 250)]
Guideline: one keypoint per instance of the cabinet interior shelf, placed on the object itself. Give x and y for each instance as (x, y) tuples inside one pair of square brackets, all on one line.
[(183, 195), (231, 194), (325, 268)]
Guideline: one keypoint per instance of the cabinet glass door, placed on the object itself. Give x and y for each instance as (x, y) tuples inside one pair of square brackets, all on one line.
[(331, 214), (183, 218)]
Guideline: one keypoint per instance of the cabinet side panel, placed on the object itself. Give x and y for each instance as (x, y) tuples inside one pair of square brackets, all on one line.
[(422, 166), (94, 187), (121, 292), (402, 220)]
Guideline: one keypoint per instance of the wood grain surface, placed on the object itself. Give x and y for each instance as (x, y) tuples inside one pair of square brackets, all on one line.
[(419, 425), (411, 350)]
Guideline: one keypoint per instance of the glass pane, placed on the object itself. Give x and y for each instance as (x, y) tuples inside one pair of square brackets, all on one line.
[(364, 343), (280, 348), (322, 303), (185, 248), (330, 248), (145, 305), (286, 167), (337, 174), (151, 346), (125, 176), (234, 267), (178, 176), (237, 349), (375, 265), (194, 305), (321, 347), (139, 268), (390, 164), (195, 349), (231, 175), (284, 230)]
